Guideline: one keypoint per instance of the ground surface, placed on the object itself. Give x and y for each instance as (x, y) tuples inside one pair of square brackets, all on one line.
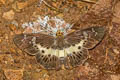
[(104, 63)]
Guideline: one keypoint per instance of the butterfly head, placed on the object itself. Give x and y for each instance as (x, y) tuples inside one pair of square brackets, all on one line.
[(59, 33)]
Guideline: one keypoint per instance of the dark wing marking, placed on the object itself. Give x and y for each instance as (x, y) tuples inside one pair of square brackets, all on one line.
[(48, 61)]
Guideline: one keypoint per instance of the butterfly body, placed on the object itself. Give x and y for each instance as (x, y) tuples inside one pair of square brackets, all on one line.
[(53, 52)]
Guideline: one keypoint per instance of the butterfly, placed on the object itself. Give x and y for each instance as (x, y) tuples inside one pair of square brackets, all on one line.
[(55, 52)]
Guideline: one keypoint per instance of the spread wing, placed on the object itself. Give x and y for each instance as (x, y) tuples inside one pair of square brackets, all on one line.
[(29, 42), (50, 54), (90, 37), (81, 41)]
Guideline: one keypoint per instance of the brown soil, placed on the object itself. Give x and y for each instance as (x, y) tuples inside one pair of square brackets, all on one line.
[(104, 63)]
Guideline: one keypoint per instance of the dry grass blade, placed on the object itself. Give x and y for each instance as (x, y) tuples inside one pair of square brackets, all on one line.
[(88, 1)]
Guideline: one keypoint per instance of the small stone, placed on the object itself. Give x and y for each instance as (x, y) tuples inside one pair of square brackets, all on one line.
[(12, 50), (115, 77), (15, 7), (9, 15), (12, 27), (18, 6), (116, 51), (54, 0), (13, 74), (3, 1), (0, 40), (22, 5), (11, 1), (116, 13), (60, 15), (6, 36), (15, 23)]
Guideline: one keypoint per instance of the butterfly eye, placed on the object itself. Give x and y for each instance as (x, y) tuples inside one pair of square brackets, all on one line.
[(59, 33)]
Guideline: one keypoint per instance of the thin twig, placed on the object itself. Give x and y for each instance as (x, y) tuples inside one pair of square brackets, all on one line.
[(51, 7)]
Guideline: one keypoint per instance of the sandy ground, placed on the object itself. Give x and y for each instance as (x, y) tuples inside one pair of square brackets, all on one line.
[(104, 63)]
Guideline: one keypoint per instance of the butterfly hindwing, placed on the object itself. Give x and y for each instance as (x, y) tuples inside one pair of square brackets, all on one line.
[(48, 61), (76, 58)]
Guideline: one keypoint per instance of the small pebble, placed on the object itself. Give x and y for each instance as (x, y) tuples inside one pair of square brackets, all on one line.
[(8, 15), (13, 74)]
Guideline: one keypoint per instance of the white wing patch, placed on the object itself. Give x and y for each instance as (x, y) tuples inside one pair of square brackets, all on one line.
[(61, 53)]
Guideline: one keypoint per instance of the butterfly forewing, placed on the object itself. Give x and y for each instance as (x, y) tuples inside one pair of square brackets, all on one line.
[(29, 42), (91, 36), (95, 35)]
